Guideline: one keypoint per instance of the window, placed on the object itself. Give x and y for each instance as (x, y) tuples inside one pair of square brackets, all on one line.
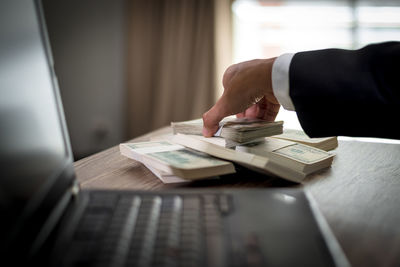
[(264, 29)]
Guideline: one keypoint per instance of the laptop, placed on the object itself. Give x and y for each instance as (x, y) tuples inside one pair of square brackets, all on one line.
[(47, 220)]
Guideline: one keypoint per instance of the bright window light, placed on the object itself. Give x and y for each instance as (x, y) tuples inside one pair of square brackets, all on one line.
[(264, 29)]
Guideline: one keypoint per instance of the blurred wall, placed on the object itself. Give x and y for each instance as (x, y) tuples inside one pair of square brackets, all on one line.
[(88, 43)]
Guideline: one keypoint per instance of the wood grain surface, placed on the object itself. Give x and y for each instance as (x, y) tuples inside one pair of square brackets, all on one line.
[(359, 195)]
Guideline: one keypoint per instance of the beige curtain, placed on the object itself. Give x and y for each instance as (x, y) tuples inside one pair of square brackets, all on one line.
[(170, 62)]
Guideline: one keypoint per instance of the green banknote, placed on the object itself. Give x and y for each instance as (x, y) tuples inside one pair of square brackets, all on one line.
[(150, 144), (175, 155), (302, 153), (187, 159)]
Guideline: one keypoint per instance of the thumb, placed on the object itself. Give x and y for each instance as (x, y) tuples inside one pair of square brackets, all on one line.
[(211, 119)]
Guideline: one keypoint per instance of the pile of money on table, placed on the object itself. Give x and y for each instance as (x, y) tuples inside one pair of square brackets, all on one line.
[(258, 145), (233, 130)]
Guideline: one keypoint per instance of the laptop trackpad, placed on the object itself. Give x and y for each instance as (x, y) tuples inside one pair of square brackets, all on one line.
[(282, 231)]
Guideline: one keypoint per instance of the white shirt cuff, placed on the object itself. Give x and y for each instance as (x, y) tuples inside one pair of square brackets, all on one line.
[(280, 80)]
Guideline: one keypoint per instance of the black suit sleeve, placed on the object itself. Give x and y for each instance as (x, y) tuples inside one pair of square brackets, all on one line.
[(348, 92)]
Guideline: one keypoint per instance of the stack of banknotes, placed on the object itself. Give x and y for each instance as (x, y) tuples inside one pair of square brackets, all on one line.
[(188, 156), (175, 163), (234, 130), (285, 159), (325, 143)]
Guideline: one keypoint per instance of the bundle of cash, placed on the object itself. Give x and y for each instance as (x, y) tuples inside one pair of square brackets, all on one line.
[(298, 157), (234, 130), (190, 156), (285, 159), (165, 177), (229, 143), (325, 143), (170, 161)]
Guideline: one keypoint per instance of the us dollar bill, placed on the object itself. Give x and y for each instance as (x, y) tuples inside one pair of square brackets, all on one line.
[(176, 155), (176, 159), (237, 130), (303, 153)]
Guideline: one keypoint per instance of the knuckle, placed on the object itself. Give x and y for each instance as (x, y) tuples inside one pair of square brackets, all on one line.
[(228, 75), (205, 118)]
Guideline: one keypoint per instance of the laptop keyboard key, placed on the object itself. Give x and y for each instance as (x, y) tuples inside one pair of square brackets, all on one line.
[(143, 230)]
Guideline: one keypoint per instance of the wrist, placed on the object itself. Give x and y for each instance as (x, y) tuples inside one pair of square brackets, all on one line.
[(267, 88)]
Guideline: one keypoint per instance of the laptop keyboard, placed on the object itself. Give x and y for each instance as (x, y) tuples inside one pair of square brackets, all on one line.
[(150, 230)]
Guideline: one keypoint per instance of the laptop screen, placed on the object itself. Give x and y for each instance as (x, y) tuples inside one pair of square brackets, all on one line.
[(34, 147)]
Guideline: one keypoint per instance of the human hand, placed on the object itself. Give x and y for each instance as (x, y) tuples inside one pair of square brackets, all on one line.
[(247, 93)]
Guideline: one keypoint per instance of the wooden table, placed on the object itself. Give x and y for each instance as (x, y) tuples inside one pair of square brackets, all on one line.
[(359, 195)]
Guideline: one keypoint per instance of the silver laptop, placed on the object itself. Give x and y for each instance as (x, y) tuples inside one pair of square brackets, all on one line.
[(46, 220)]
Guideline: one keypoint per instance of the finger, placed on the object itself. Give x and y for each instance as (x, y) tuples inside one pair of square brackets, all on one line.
[(228, 104), (212, 118), (241, 115), (271, 111), (267, 110), (262, 107), (252, 111)]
